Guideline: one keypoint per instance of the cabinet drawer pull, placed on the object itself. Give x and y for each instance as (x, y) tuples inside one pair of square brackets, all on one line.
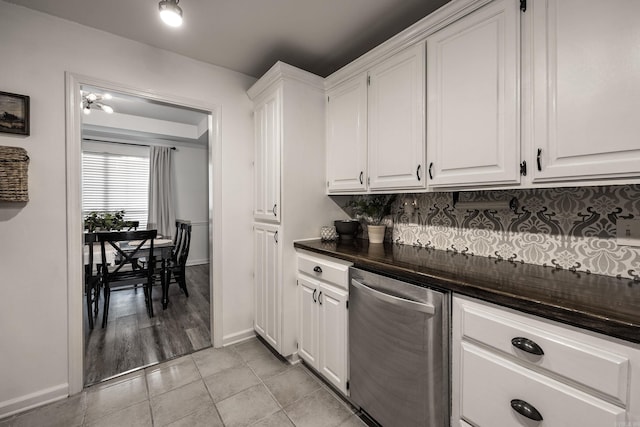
[(430, 167), (539, 159), (275, 210), (526, 410), (361, 177), (418, 172), (317, 269), (314, 295), (527, 345)]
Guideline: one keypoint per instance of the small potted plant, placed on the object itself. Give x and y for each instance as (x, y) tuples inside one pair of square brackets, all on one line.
[(373, 208), (105, 221)]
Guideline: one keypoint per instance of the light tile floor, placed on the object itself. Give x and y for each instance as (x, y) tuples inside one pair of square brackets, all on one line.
[(242, 385)]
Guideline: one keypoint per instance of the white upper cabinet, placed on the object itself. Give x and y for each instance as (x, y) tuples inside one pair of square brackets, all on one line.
[(473, 104), (396, 121), (518, 94), (267, 121), (347, 136), (586, 89)]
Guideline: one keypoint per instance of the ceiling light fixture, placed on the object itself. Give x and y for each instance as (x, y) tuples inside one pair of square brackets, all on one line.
[(93, 100), (170, 12)]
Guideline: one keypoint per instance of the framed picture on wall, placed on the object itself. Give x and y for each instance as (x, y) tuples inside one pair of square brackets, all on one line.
[(14, 113)]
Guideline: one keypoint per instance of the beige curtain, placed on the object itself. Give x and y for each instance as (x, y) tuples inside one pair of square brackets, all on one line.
[(162, 215)]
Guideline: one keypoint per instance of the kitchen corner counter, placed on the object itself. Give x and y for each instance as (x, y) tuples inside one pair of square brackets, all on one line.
[(603, 304)]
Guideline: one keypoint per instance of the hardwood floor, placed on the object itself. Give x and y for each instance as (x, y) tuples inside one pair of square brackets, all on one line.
[(131, 339)]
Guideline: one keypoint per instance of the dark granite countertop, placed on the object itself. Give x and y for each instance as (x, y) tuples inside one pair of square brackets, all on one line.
[(599, 303)]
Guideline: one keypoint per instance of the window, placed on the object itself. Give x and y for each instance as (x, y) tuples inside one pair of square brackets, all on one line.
[(114, 182)]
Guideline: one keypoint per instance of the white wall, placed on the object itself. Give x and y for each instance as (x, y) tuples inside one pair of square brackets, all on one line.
[(190, 190), (35, 52)]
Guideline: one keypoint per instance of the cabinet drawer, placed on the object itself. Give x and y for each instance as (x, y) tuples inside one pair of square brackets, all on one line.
[(490, 383), (564, 353), (324, 268)]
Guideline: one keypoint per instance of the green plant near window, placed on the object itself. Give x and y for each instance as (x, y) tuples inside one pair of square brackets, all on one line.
[(372, 208), (104, 221)]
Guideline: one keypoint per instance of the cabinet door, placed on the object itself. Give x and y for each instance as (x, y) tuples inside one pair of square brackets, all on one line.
[(473, 132), (332, 303), (267, 122), (267, 283), (347, 136), (586, 89), (396, 121), (308, 321)]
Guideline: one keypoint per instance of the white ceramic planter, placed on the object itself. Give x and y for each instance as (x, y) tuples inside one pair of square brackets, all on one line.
[(376, 233)]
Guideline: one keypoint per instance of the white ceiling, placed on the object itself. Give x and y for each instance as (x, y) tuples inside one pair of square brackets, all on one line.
[(143, 120), (249, 36)]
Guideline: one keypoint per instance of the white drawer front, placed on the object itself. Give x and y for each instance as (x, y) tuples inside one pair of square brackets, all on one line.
[(325, 269), (490, 383), (601, 370)]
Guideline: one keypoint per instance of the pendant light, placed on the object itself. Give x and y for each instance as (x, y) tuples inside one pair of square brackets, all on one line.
[(170, 12)]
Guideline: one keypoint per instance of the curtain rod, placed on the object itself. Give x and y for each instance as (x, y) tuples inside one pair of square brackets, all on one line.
[(123, 143)]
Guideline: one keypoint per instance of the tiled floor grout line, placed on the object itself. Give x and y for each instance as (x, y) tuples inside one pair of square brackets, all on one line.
[(215, 405), (262, 381), (263, 384), (86, 407), (201, 379), (291, 403), (146, 383), (348, 406)]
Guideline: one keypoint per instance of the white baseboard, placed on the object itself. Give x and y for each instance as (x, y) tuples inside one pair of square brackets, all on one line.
[(238, 337), (33, 400), (197, 262)]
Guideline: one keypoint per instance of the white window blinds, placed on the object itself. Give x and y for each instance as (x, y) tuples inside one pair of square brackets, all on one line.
[(112, 182)]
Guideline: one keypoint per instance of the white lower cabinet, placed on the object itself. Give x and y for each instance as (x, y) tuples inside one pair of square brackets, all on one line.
[(498, 392), (266, 320), (514, 369), (308, 321), (323, 318), (332, 336)]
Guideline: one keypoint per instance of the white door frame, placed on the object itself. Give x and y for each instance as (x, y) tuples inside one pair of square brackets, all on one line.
[(74, 214)]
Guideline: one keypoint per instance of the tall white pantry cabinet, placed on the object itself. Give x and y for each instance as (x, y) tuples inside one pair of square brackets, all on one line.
[(290, 199)]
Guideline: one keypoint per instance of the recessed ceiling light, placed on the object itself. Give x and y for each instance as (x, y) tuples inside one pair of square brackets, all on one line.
[(170, 12)]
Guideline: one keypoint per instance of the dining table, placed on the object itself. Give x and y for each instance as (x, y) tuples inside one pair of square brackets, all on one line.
[(162, 250)]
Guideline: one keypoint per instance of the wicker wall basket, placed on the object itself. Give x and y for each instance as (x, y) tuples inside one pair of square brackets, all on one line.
[(14, 164)]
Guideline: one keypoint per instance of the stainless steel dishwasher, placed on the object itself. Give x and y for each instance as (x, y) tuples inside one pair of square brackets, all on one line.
[(399, 351)]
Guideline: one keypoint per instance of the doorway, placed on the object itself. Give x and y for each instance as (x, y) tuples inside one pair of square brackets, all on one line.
[(75, 133)]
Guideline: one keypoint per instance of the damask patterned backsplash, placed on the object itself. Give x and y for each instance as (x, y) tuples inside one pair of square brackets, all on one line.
[(569, 228)]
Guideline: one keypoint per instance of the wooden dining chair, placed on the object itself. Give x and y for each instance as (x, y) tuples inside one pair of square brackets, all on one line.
[(91, 279), (178, 262), (131, 225), (122, 274)]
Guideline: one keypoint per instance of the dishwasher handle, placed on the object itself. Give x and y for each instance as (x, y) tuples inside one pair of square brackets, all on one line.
[(401, 302)]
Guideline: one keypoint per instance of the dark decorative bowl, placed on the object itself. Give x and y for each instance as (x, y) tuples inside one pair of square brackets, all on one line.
[(348, 229)]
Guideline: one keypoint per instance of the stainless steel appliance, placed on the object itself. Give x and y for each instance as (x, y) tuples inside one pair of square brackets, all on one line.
[(399, 351)]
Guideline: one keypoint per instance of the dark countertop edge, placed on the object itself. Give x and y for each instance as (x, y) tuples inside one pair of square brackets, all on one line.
[(604, 325)]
